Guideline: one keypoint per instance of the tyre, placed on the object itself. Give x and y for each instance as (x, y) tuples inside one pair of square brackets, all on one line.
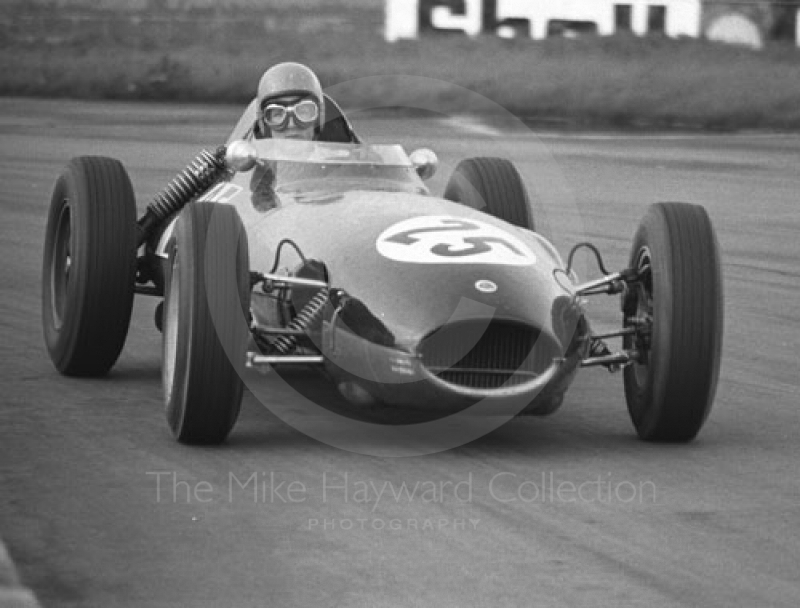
[(494, 186), (89, 266), (205, 329), (678, 302)]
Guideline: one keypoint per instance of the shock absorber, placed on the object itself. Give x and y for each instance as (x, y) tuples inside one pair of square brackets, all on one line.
[(195, 179), (305, 318)]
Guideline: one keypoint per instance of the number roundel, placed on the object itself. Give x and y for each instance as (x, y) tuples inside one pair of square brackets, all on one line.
[(441, 239)]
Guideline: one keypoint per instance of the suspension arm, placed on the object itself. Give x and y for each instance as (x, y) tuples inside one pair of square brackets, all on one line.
[(610, 284), (254, 359), (280, 280), (612, 360)]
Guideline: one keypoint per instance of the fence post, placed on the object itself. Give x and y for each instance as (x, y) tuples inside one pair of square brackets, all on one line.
[(797, 28)]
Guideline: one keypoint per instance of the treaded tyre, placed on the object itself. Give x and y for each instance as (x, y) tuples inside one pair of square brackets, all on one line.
[(205, 329), (494, 186), (679, 298), (89, 266)]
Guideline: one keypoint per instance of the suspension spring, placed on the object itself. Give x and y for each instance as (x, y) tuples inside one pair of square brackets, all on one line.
[(195, 179), (306, 318)]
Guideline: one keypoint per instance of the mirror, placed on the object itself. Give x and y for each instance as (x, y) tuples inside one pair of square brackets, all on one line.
[(241, 155), (425, 162)]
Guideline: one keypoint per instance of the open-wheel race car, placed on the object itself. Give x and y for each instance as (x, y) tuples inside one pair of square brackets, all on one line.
[(334, 253)]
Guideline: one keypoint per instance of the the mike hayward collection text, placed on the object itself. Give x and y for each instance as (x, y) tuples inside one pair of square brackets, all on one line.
[(281, 487)]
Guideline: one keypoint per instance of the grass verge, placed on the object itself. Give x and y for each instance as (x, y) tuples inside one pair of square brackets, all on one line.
[(617, 81)]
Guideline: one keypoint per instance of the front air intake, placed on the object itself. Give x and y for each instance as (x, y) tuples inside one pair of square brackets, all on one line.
[(487, 355)]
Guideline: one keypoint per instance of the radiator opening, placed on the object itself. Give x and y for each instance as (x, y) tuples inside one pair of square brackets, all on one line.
[(483, 355)]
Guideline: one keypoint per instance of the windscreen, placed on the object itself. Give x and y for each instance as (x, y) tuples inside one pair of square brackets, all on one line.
[(301, 169)]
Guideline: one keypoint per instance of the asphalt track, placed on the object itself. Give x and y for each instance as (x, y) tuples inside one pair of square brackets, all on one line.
[(713, 523)]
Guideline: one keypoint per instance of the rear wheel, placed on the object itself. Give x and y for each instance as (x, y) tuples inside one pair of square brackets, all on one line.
[(678, 305), (494, 186), (205, 329), (89, 266)]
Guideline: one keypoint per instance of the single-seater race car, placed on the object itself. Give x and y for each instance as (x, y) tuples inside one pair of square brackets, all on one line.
[(335, 254)]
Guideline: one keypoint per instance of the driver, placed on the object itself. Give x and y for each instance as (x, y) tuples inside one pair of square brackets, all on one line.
[(290, 106), (290, 103)]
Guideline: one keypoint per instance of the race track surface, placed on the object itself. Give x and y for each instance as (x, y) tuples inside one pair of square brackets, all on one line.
[(712, 523)]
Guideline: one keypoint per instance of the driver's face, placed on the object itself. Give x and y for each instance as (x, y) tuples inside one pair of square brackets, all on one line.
[(292, 130)]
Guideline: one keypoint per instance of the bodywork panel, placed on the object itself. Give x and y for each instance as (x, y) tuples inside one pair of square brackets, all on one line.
[(405, 264)]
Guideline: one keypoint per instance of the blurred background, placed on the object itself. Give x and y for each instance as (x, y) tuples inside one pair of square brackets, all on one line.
[(720, 64)]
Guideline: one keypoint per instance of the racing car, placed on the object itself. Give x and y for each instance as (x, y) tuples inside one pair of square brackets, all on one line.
[(335, 254)]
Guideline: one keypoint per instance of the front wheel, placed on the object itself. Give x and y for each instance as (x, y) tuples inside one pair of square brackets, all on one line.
[(205, 329), (89, 266), (677, 306), (494, 186)]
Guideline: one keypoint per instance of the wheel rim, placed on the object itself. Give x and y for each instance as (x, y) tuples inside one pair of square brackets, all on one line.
[(61, 266), (171, 330), (644, 313)]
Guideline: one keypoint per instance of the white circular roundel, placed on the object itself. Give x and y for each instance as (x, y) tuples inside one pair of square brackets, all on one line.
[(486, 286), (442, 239)]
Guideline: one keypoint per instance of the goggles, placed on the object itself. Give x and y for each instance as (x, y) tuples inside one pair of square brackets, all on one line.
[(305, 112)]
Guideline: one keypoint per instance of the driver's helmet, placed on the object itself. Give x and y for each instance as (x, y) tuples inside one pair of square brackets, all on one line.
[(291, 79)]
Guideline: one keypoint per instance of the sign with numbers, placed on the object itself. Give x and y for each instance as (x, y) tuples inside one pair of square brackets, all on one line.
[(541, 18)]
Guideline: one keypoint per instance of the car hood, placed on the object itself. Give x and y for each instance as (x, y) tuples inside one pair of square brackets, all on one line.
[(416, 262)]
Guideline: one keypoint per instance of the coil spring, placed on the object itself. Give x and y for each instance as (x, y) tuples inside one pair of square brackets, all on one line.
[(598, 348), (305, 318), (198, 175)]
